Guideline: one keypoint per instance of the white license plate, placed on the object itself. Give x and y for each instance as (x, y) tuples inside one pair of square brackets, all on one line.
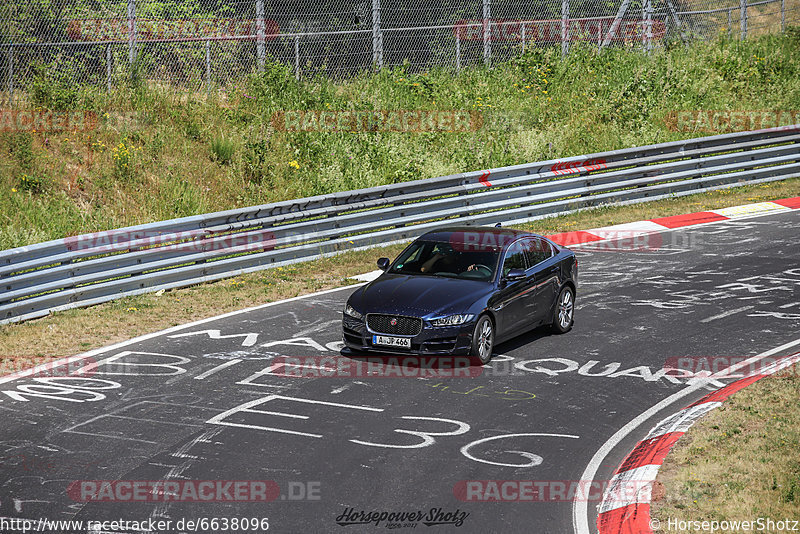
[(404, 342)]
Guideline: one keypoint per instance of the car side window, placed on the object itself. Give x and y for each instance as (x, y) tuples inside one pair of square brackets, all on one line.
[(537, 250), (515, 258), (547, 249)]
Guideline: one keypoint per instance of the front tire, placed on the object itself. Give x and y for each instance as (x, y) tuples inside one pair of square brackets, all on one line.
[(564, 314), (483, 340)]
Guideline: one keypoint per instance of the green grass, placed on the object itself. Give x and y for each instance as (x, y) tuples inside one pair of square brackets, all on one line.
[(182, 154), (223, 149)]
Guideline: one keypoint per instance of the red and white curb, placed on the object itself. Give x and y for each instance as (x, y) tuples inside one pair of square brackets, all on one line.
[(623, 511), (640, 228)]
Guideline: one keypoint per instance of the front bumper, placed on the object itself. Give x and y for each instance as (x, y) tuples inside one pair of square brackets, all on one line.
[(431, 340)]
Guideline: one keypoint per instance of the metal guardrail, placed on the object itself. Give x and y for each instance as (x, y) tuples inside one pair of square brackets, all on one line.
[(89, 269)]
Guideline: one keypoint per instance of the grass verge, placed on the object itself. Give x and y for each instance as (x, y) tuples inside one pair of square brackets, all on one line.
[(740, 462), (74, 331)]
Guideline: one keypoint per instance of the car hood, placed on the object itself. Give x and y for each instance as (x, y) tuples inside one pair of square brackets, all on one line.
[(419, 295)]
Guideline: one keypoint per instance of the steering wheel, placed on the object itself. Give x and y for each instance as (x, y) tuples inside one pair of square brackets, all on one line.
[(484, 267)]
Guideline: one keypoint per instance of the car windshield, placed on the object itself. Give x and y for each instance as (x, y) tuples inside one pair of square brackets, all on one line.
[(437, 258)]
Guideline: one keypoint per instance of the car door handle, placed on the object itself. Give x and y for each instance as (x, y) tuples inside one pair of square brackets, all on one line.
[(546, 274)]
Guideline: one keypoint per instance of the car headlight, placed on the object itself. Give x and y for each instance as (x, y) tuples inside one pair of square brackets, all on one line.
[(349, 310), (452, 320)]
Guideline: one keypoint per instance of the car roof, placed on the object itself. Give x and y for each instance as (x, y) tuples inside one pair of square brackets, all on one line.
[(483, 234)]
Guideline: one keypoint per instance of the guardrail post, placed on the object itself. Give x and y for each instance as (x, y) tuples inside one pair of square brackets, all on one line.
[(564, 27), (261, 38), (296, 57), (208, 66), (131, 31), (743, 17), (108, 67), (377, 35), (487, 32)]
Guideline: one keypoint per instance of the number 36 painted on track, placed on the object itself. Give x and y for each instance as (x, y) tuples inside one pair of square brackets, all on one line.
[(253, 415)]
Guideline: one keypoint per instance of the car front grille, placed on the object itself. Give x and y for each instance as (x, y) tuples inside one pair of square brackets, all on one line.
[(403, 325)]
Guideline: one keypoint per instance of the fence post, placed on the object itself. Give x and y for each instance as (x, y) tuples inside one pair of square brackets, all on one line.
[(676, 20), (487, 32), (644, 27), (261, 38), (564, 27), (612, 31), (208, 66), (743, 17), (131, 32), (648, 28), (523, 37), (599, 35), (296, 57), (730, 25), (458, 48), (108, 67), (783, 15), (377, 35), (10, 55)]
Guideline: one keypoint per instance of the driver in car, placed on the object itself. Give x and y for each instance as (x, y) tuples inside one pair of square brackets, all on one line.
[(435, 259)]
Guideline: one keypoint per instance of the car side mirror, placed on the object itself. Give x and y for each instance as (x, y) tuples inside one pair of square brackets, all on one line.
[(383, 263), (514, 274)]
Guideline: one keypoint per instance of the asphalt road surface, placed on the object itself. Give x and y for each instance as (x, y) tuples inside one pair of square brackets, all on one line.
[(211, 402)]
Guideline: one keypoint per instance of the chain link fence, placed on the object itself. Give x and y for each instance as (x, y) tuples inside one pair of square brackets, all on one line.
[(208, 43)]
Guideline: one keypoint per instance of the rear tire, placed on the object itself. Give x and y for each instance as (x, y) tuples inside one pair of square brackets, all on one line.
[(482, 340), (564, 313)]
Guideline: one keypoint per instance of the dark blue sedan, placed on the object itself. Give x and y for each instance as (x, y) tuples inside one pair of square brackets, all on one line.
[(461, 290)]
